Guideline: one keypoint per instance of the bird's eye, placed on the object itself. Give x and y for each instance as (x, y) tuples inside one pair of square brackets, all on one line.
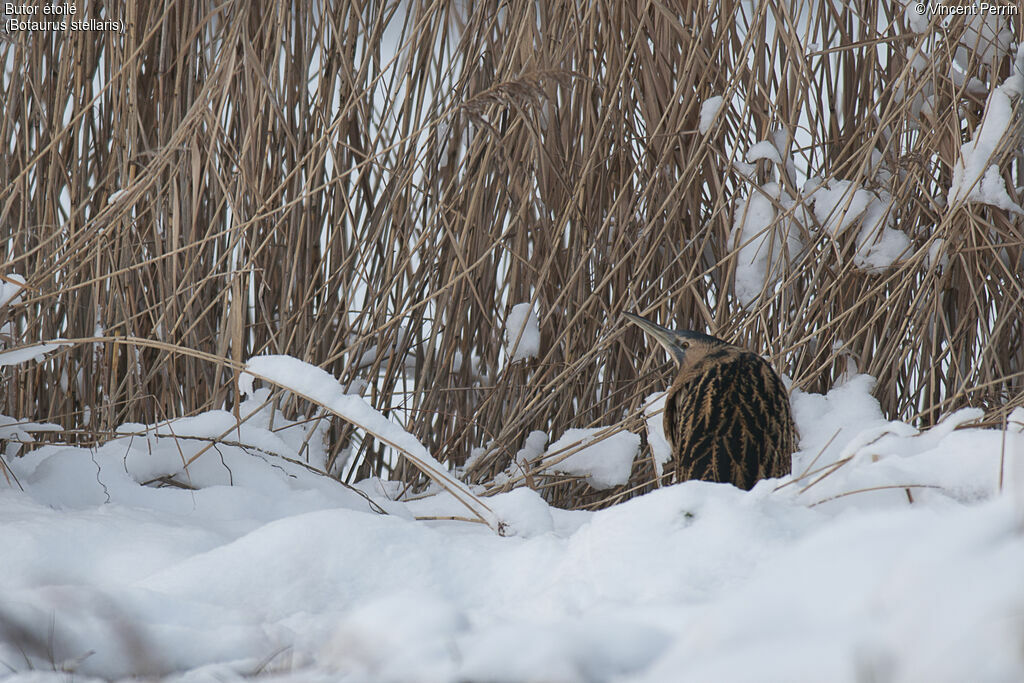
[(686, 344)]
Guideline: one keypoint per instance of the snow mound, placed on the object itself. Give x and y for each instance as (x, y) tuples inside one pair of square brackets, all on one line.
[(891, 553), (605, 462), (315, 384)]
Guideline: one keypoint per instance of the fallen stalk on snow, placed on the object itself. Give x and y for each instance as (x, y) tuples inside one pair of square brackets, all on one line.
[(323, 389)]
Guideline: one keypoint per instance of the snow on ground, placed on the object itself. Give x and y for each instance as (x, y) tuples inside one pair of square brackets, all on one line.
[(902, 563), (316, 384)]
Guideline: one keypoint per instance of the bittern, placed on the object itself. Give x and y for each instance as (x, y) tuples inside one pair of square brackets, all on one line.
[(727, 413)]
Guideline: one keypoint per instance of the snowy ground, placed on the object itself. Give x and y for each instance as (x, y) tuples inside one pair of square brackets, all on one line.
[(266, 567)]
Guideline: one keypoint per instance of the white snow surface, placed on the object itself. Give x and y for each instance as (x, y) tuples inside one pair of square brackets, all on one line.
[(709, 111), (311, 382), (937, 257), (986, 35), (522, 333), (976, 177), (11, 288), (768, 237), (764, 150), (532, 448), (605, 460), (654, 414), (24, 354), (916, 20), (902, 564), (840, 204)]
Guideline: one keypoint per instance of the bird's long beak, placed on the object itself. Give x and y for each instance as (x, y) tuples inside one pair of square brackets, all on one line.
[(666, 337)]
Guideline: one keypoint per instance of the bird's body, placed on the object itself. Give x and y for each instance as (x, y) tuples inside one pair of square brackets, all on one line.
[(727, 413)]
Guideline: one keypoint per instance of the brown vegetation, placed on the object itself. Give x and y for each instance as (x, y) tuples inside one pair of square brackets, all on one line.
[(226, 180)]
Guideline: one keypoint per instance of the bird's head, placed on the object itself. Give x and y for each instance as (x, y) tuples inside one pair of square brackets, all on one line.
[(682, 345)]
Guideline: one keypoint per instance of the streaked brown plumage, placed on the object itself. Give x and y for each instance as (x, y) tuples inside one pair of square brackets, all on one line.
[(727, 413)]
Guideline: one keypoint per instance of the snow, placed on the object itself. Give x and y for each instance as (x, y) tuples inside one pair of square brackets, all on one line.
[(604, 459), (315, 384), (532, 448), (522, 333), (11, 288), (917, 21), (23, 354), (654, 412), (766, 242), (975, 177), (992, 190), (986, 35), (15, 433), (841, 204), (937, 256), (370, 356), (764, 150), (204, 548), (709, 111), (879, 245), (891, 553), (838, 204)]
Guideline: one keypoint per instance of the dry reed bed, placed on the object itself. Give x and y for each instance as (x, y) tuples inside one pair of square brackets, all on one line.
[(239, 178)]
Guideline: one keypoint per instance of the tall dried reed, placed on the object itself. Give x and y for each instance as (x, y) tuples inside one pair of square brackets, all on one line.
[(371, 186)]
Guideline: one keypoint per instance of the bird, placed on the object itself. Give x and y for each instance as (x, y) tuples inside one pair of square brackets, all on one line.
[(727, 413)]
